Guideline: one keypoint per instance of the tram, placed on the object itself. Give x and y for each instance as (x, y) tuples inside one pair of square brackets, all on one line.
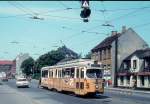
[(80, 76)]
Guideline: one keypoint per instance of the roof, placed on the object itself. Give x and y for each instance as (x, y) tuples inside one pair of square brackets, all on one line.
[(5, 62), (140, 53), (106, 42)]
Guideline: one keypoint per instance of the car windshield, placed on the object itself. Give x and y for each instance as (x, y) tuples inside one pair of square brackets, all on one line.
[(21, 80), (94, 73)]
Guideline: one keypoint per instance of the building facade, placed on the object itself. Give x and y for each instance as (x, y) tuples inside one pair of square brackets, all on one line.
[(5, 67), (135, 70), (114, 49), (19, 59)]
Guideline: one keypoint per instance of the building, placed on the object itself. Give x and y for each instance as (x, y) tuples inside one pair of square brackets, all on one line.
[(19, 59), (135, 70), (13, 69), (114, 49), (5, 67)]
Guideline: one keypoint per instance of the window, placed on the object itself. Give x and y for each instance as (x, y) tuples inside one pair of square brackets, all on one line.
[(45, 73), (149, 80), (56, 74), (68, 73), (82, 73), (77, 73), (134, 64), (100, 55), (63, 73), (121, 80), (104, 54), (72, 73), (94, 73), (142, 80), (128, 80), (109, 53)]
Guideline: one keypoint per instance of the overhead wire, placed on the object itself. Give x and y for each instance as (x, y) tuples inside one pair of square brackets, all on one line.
[(14, 5), (13, 16), (141, 25), (22, 6), (129, 14)]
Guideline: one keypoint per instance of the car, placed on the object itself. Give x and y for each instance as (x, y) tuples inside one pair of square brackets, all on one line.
[(22, 82)]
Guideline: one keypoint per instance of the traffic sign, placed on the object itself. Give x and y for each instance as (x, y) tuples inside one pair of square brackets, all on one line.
[(85, 4)]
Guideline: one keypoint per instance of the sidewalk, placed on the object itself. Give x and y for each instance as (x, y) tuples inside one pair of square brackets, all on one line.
[(127, 90)]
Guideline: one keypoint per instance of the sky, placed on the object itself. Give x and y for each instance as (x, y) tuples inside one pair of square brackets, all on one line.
[(19, 33)]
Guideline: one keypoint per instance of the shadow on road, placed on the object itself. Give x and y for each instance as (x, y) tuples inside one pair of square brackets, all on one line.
[(77, 96)]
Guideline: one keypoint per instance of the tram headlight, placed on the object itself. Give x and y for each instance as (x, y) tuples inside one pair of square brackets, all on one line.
[(96, 86)]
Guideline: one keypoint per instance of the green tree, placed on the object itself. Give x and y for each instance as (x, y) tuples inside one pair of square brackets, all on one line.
[(49, 59), (54, 56), (27, 66)]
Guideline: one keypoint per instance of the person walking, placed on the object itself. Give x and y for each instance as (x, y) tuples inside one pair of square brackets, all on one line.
[(39, 84)]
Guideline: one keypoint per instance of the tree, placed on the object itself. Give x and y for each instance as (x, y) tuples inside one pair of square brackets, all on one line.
[(49, 59), (27, 66), (54, 56), (88, 56)]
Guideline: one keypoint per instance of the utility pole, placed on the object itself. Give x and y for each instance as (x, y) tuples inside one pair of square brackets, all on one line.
[(116, 62)]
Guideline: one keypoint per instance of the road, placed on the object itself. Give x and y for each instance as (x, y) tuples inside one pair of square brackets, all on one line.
[(10, 94)]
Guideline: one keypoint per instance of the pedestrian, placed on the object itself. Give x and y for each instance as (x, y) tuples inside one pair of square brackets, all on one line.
[(39, 84), (134, 84)]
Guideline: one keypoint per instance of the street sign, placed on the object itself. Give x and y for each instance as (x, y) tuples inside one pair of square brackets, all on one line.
[(85, 4)]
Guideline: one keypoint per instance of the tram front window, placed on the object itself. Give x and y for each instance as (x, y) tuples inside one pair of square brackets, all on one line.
[(94, 73)]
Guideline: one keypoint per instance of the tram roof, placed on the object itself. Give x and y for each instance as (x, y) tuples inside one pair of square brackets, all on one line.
[(76, 62)]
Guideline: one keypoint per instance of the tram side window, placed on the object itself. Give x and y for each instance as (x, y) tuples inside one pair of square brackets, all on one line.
[(45, 73), (63, 73), (77, 73), (56, 74), (51, 74), (69, 73), (72, 73), (82, 73), (59, 73)]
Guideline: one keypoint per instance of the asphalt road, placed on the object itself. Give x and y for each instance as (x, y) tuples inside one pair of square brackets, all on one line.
[(10, 94)]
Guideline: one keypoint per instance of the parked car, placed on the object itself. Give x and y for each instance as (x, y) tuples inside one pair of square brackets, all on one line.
[(22, 82)]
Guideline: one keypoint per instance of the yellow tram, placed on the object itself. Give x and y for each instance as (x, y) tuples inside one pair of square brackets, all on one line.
[(79, 76)]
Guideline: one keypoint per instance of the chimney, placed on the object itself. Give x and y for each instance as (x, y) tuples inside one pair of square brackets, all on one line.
[(113, 33), (123, 29)]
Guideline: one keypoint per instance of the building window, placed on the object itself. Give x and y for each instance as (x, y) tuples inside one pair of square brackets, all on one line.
[(109, 53), (100, 55), (108, 66), (104, 55), (142, 80), (134, 64), (149, 80), (128, 80), (121, 80)]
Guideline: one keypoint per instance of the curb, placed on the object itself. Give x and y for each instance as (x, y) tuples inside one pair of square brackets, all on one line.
[(128, 90)]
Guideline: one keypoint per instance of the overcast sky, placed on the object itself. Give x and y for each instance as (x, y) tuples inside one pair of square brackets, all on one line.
[(20, 33)]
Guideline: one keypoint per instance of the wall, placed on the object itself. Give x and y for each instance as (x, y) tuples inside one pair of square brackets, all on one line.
[(128, 42)]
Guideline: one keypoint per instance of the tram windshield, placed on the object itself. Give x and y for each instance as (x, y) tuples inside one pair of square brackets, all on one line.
[(94, 73)]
